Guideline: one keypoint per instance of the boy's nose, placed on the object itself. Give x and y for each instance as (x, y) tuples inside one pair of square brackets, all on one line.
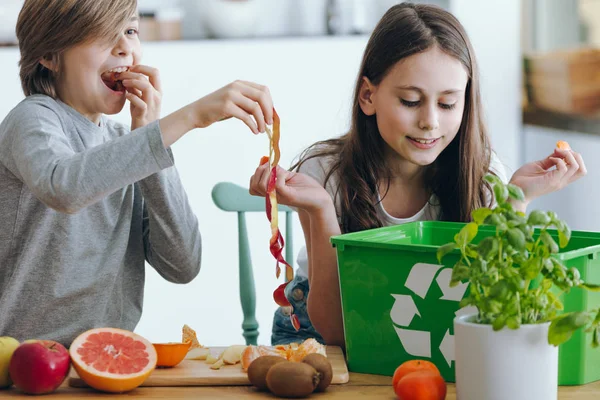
[(123, 47)]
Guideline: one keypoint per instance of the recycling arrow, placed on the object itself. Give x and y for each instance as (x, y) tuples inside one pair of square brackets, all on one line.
[(450, 293), (420, 277), (403, 310), (447, 347), (415, 343)]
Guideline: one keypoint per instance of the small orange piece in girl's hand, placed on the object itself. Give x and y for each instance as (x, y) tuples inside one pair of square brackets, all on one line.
[(562, 145), (421, 385), (264, 160)]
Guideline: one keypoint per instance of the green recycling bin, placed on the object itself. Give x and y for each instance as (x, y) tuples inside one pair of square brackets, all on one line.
[(397, 304)]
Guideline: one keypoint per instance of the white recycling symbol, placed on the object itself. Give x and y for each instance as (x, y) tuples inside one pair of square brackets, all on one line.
[(419, 280)]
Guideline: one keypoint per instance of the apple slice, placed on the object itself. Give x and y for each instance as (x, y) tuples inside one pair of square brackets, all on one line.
[(233, 354), (198, 353)]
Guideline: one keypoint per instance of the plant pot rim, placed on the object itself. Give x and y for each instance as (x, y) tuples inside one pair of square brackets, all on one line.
[(466, 320)]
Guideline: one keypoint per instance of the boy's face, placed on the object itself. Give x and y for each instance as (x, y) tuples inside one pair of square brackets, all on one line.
[(419, 105), (83, 67)]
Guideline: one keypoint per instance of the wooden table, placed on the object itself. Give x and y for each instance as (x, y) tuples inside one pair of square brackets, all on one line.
[(361, 386)]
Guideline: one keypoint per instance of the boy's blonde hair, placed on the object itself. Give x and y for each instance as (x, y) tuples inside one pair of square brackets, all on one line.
[(47, 28)]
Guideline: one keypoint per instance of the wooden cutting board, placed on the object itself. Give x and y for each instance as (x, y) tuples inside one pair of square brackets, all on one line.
[(198, 373)]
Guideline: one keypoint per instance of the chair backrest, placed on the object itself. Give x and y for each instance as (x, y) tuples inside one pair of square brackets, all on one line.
[(234, 198)]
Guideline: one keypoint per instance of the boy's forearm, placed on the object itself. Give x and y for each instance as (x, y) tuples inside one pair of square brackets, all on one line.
[(177, 124), (324, 305)]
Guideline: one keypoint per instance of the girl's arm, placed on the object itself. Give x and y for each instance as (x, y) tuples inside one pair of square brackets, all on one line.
[(324, 301), (551, 174)]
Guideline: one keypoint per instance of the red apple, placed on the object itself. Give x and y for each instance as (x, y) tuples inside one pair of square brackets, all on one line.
[(39, 366)]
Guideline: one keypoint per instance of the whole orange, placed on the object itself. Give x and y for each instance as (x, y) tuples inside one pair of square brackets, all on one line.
[(412, 366), (421, 385)]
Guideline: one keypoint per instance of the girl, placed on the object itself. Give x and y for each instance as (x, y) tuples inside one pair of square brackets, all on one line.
[(84, 201), (417, 149)]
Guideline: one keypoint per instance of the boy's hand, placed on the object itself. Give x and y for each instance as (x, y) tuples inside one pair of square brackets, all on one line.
[(144, 93), (247, 101)]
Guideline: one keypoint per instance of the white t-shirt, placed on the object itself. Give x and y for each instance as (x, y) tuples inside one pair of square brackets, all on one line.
[(318, 167)]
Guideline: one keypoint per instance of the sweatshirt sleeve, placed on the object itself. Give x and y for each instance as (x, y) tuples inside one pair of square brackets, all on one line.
[(35, 148), (172, 239)]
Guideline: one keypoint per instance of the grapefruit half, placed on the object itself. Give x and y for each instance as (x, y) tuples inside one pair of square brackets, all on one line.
[(112, 360)]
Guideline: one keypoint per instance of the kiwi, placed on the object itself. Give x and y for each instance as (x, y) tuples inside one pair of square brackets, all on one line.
[(292, 379), (257, 371), (323, 367)]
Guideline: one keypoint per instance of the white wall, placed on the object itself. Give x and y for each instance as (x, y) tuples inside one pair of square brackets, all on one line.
[(311, 82)]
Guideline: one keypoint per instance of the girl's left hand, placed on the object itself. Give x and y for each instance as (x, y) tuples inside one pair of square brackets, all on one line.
[(144, 93), (539, 177)]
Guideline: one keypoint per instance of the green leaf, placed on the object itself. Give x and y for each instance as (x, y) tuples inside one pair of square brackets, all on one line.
[(513, 322), (500, 193), (515, 192), (499, 290), (480, 215), (562, 327), (531, 269), (445, 249), (467, 301), (537, 217), (555, 301), (548, 265), (546, 284), (488, 247), (527, 230), (595, 342), (471, 251), (499, 323), (493, 179), (466, 234), (549, 242), (516, 238), (564, 235), (459, 274), (590, 286)]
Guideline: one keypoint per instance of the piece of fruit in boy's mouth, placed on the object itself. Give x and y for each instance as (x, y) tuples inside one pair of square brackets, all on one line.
[(111, 78), (562, 145)]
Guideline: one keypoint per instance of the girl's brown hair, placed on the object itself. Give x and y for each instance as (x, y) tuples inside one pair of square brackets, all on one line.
[(456, 176), (47, 28)]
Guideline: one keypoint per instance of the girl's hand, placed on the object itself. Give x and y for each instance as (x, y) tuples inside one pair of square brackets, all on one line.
[(246, 101), (293, 189), (539, 177), (144, 93)]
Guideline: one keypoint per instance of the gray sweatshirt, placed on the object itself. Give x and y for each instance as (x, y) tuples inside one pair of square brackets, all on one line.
[(81, 208)]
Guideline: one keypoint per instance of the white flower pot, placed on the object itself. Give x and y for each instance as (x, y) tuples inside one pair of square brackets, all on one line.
[(507, 364)]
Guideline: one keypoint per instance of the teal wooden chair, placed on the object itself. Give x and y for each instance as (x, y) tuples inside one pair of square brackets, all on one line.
[(233, 198)]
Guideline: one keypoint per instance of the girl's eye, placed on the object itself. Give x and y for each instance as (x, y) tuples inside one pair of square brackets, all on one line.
[(409, 103), (447, 106), (132, 31)]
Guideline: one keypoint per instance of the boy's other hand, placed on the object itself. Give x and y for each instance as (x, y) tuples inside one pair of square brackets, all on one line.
[(144, 93)]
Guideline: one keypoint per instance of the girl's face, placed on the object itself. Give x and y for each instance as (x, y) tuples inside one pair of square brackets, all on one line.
[(81, 83), (418, 105)]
